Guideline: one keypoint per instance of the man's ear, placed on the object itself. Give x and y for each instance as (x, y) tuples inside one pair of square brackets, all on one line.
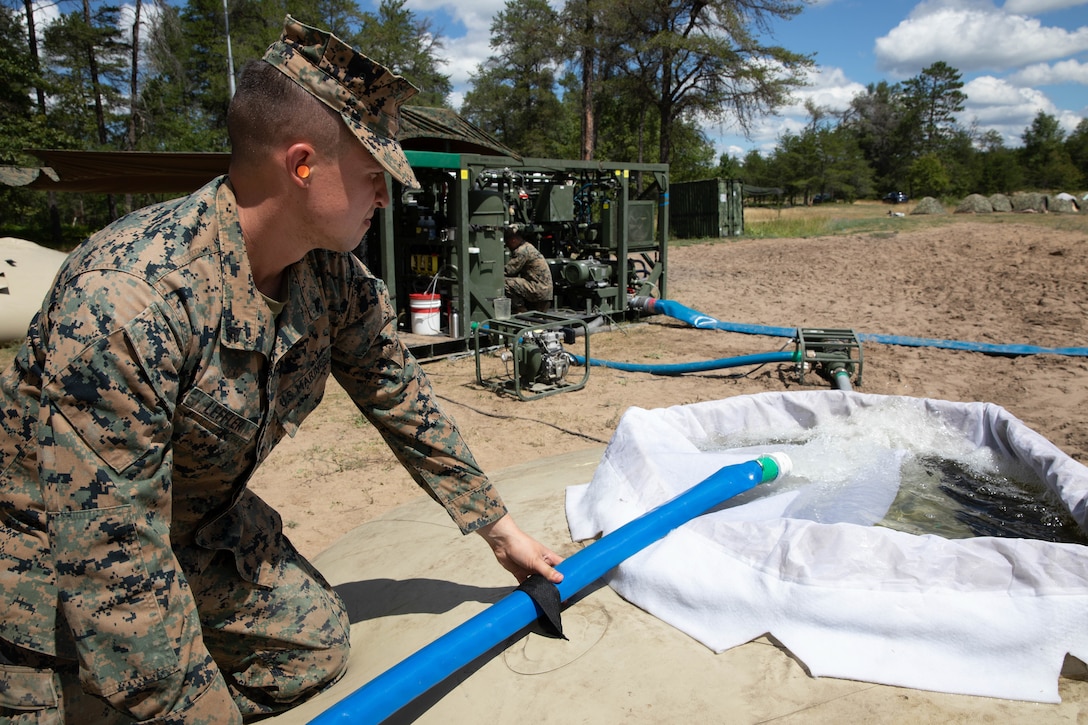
[(299, 163)]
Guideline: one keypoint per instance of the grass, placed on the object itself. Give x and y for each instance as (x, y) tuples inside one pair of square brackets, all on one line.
[(873, 218)]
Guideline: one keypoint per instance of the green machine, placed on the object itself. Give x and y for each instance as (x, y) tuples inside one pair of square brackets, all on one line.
[(530, 348), (602, 227)]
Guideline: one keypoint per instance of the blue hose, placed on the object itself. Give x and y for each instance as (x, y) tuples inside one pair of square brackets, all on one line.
[(390, 691), (699, 320), (983, 347), (693, 367)]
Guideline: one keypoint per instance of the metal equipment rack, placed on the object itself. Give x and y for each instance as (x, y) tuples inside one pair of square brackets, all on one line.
[(602, 227)]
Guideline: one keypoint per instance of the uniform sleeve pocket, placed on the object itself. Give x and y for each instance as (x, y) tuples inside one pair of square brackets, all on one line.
[(109, 401), (25, 689), (111, 603)]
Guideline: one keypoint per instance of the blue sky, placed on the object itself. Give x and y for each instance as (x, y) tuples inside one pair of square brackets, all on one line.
[(1017, 57)]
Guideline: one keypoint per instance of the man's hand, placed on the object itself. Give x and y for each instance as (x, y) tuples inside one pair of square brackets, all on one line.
[(519, 553)]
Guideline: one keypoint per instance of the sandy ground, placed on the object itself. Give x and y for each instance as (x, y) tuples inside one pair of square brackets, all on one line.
[(966, 279)]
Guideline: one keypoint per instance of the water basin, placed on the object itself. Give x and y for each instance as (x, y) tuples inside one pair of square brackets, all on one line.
[(891, 556)]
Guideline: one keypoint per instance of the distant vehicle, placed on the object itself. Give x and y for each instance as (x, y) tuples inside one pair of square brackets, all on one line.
[(822, 198), (895, 197)]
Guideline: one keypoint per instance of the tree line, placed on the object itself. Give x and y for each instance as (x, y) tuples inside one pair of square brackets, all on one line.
[(906, 137), (621, 80), (618, 80)]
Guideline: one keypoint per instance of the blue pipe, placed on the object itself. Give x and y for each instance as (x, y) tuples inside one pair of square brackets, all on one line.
[(694, 367), (674, 309), (390, 691), (983, 347), (699, 320)]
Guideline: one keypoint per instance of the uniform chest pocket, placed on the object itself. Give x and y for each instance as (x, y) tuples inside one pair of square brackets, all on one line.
[(201, 421), (301, 385)]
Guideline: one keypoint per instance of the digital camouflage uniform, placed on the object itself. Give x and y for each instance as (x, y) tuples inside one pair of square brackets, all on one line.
[(528, 279), (151, 385)]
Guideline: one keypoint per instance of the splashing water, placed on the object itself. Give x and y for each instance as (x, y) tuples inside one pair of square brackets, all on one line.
[(899, 466)]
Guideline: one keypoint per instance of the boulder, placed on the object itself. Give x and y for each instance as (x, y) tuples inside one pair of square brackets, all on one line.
[(1065, 203), (1028, 202)]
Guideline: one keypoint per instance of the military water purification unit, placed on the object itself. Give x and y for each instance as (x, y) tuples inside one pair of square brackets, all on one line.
[(601, 226)]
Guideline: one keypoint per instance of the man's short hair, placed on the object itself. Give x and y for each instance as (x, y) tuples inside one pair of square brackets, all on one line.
[(268, 110), (365, 94)]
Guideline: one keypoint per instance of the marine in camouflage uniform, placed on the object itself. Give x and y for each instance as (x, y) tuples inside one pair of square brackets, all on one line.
[(528, 279), (141, 580)]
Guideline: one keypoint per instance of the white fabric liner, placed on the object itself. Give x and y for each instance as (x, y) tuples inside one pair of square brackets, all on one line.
[(979, 616)]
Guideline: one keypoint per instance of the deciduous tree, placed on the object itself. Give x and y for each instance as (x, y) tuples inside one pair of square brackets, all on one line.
[(1045, 157)]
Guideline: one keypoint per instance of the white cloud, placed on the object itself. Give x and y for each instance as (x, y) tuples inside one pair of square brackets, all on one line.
[(995, 99), (475, 16), (469, 49), (1044, 74), (44, 14), (995, 103), (1033, 7), (973, 36), (828, 87), (463, 57), (464, 53)]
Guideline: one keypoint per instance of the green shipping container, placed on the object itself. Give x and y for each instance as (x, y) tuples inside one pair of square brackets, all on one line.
[(710, 208)]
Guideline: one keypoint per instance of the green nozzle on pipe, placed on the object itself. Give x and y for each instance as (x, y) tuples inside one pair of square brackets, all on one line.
[(774, 465), (841, 379)]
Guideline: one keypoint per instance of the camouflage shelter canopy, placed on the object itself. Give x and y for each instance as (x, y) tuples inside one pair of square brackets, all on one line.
[(141, 172)]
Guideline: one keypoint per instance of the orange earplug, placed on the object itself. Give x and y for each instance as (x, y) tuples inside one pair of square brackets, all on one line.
[(303, 171)]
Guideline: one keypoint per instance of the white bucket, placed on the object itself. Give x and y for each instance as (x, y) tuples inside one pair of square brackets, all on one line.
[(425, 309)]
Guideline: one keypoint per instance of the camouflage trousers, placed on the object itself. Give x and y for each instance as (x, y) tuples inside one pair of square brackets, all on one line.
[(275, 648), (525, 295)]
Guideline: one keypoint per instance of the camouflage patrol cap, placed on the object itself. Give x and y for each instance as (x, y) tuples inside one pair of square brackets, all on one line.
[(365, 94)]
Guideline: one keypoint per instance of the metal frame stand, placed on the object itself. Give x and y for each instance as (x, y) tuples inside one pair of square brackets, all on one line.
[(829, 350), (510, 333)]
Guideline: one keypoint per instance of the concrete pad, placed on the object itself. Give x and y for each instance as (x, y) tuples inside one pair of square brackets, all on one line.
[(409, 577)]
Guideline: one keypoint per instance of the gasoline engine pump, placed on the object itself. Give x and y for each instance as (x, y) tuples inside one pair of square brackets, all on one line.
[(530, 347), (543, 360)]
